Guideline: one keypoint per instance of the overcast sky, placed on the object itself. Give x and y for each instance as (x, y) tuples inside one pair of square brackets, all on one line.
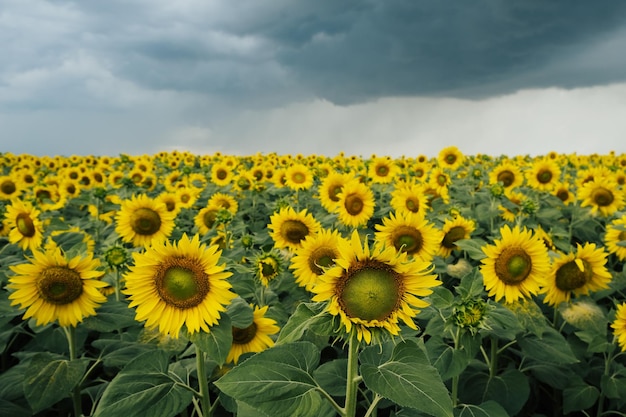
[(385, 77)]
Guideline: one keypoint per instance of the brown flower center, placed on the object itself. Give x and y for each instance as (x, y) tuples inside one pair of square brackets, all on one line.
[(243, 336), (181, 282), (569, 276), (506, 178), (293, 231), (602, 196), (513, 265), (25, 225), (320, 259), (8, 187), (544, 176), (354, 204), (454, 234), (145, 221), (407, 239), (59, 285)]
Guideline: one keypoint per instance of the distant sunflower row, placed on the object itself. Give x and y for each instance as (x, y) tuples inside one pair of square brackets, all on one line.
[(369, 237)]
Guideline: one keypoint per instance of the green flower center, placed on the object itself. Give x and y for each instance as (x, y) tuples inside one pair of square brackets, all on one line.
[(25, 225), (116, 256), (181, 282), (145, 221), (412, 204), (407, 239), (450, 158), (354, 204), (59, 285), (602, 197), (294, 231), (334, 191), (243, 336), (569, 276), (454, 234), (244, 183), (544, 176), (371, 290), (382, 170), (320, 259), (298, 178), (221, 174), (513, 265), (506, 178), (268, 268)]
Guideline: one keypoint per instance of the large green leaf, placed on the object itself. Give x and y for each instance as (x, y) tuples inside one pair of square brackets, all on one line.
[(240, 313), (486, 409), (405, 377), (144, 388), (332, 377), (278, 381), (112, 315), (217, 342), (510, 389), (308, 316), (550, 347), (579, 397), (47, 381)]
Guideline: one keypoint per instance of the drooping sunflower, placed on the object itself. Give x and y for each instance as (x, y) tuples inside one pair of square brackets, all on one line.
[(619, 326), (576, 273), (288, 228), (382, 170), (515, 266), (616, 233), (543, 174), (372, 290), (176, 285), (254, 338), (452, 230), (298, 177), (603, 196), (142, 221), (411, 233), (450, 158), (53, 288), (25, 228), (317, 253), (356, 204)]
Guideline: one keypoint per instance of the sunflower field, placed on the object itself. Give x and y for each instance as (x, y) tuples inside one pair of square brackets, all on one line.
[(275, 285)]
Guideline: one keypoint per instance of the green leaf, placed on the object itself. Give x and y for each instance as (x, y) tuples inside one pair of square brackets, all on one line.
[(486, 409), (111, 316), (240, 313), (47, 381), (332, 377), (217, 342), (509, 389), (579, 397), (471, 285), (277, 381), (473, 247), (117, 353), (501, 322), (406, 378), (8, 408), (308, 316), (550, 347), (144, 388), (441, 297)]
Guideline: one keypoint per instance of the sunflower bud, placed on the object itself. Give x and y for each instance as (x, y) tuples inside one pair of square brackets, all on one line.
[(116, 256)]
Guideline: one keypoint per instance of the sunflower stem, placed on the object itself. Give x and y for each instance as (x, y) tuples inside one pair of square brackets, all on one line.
[(70, 333), (352, 376), (205, 402), (493, 362), (117, 283)]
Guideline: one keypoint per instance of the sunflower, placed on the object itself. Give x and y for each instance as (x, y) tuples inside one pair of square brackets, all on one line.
[(170, 199), (330, 188), (450, 158), (225, 201), (576, 273), (564, 193), (206, 218), (615, 237), (515, 265), (411, 233), (508, 174), (142, 221), (409, 197), (288, 228), (372, 290), (619, 326), (298, 177), (382, 170), (356, 204), (603, 196), (317, 253), (543, 174), (268, 266), (178, 284), (452, 230), (54, 288), (26, 229), (10, 188), (254, 338)]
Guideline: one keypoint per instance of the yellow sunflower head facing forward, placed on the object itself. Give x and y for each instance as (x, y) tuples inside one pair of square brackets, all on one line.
[(143, 220), (411, 233), (288, 228), (373, 290), (515, 265), (25, 228), (54, 288), (577, 273), (180, 284)]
